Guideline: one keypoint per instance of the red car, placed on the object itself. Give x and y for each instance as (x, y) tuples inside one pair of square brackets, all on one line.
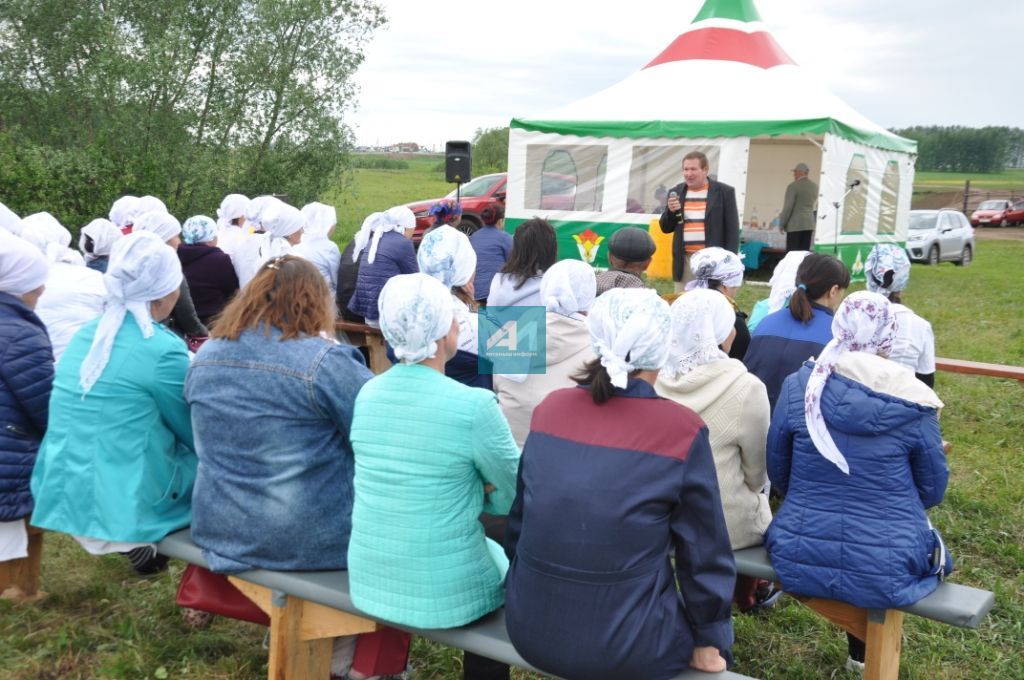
[(558, 192), (994, 213), (476, 195), (1015, 215)]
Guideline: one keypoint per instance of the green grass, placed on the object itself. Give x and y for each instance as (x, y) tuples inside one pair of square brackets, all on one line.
[(951, 181), (100, 621)]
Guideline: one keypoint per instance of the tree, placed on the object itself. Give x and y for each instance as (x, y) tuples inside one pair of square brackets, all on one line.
[(962, 149), (490, 150), (184, 99)]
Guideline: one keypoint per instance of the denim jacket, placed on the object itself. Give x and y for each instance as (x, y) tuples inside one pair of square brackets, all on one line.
[(271, 420)]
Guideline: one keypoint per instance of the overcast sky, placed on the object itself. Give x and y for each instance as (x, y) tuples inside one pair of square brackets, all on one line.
[(441, 69)]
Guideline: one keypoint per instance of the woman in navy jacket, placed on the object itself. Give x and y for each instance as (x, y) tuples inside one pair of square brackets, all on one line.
[(26, 375), (855, 448), (614, 481)]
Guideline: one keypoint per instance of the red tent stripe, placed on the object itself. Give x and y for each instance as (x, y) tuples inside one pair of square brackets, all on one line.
[(725, 44)]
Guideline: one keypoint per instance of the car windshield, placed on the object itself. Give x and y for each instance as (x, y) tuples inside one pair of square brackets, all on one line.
[(992, 205), (480, 186), (923, 220)]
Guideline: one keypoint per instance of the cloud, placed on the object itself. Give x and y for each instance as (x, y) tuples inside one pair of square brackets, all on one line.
[(440, 70)]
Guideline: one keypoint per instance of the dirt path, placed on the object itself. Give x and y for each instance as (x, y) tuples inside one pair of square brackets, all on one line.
[(999, 234)]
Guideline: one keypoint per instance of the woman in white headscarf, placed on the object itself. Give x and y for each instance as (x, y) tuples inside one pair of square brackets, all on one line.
[(208, 270), (452, 458), (382, 248), (783, 283), (116, 467), (734, 405), (95, 241), (613, 480), (447, 255), (26, 378), (722, 270), (231, 229), (855, 448), (74, 293), (283, 226), (317, 246), (123, 212), (51, 237), (183, 320), (567, 289)]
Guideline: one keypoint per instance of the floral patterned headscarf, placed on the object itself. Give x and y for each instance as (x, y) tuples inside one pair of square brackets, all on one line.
[(415, 312), (885, 258), (865, 322), (701, 321), (629, 330)]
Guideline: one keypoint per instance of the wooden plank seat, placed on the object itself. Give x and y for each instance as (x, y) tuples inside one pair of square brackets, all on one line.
[(951, 603), (361, 335), (979, 368), (307, 609)]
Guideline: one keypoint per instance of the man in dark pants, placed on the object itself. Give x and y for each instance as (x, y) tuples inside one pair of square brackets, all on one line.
[(797, 217), (700, 213)]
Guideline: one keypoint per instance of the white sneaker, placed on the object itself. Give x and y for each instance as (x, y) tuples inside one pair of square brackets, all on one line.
[(854, 666)]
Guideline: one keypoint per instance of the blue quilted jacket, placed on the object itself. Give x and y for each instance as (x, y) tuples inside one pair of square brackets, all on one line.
[(26, 378), (861, 538), (395, 255)]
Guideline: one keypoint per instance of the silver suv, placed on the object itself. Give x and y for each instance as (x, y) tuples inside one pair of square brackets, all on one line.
[(940, 235)]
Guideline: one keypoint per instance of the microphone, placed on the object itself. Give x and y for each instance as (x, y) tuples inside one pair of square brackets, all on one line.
[(855, 183), (679, 213)]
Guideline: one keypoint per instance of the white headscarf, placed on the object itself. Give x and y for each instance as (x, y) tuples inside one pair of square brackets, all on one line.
[(884, 258), (783, 281), (256, 208), (377, 224), (568, 288), (701, 321), (865, 322), (103, 234), (142, 269), (631, 322), (280, 220), (198, 229), (161, 223), (9, 220), (718, 264), (22, 267), (232, 207), (320, 218), (51, 237), (415, 312), (124, 210), (150, 204), (447, 255)]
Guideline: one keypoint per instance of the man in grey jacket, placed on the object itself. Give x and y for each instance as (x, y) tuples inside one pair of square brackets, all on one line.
[(798, 210)]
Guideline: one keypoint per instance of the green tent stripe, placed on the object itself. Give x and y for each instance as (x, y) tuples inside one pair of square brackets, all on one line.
[(740, 10), (715, 128)]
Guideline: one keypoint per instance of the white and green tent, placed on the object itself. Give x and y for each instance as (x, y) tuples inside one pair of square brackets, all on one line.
[(724, 87)]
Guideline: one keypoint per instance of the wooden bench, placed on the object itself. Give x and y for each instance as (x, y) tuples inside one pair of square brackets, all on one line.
[(979, 368), (308, 609), (361, 335), (882, 630)]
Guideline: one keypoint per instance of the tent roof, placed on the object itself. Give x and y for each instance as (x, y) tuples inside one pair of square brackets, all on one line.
[(751, 88)]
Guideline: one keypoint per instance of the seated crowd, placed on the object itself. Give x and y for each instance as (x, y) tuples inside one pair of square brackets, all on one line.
[(598, 499)]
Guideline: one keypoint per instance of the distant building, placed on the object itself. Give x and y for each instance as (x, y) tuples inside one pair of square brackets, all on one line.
[(407, 147)]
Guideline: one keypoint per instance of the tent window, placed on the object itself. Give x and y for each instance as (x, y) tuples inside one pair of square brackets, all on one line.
[(564, 177), (890, 198), (856, 202), (654, 171)]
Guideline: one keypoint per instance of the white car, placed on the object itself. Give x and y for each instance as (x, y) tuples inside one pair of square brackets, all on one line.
[(940, 236)]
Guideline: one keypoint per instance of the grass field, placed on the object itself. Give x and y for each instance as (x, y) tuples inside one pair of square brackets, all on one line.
[(100, 621)]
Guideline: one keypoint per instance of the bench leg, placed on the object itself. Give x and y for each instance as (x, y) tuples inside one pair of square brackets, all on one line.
[(19, 579), (291, 657), (378, 354), (882, 651)]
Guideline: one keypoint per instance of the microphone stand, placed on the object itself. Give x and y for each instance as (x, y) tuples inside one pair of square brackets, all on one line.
[(836, 204)]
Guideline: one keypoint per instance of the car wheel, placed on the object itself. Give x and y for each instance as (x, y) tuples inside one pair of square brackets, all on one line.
[(1004, 223), (468, 226), (965, 257), (933, 255)]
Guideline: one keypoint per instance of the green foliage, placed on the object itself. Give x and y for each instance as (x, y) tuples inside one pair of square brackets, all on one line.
[(379, 163), (963, 149), (184, 99), (490, 151)]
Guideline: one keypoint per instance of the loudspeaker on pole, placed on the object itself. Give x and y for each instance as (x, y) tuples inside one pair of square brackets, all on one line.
[(458, 162)]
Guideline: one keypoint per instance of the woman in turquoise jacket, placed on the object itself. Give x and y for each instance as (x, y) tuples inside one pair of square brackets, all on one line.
[(431, 455), (116, 466)]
